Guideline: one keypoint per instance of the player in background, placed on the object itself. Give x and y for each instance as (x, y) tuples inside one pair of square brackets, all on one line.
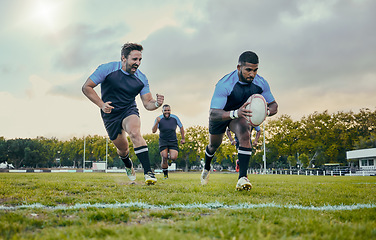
[(235, 141), (168, 143), (228, 109), (120, 83)]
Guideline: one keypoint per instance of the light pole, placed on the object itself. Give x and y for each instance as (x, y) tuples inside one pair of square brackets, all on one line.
[(264, 156), (83, 165), (106, 152), (58, 158)]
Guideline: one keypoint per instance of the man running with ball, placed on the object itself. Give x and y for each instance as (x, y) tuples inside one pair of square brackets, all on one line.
[(227, 109), (120, 83)]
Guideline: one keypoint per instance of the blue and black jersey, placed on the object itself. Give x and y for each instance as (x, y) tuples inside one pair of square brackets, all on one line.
[(118, 86), (231, 94), (167, 127)]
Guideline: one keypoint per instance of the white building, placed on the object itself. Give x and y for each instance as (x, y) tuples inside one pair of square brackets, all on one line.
[(366, 158)]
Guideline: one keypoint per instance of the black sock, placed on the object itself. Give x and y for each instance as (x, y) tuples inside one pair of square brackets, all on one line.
[(165, 172), (244, 154), (208, 158), (143, 155), (126, 160)]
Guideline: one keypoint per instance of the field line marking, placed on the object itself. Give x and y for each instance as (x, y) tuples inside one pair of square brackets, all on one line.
[(215, 205)]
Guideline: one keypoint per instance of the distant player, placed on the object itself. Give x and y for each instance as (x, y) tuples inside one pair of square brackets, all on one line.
[(120, 83), (168, 143), (235, 141), (227, 109)]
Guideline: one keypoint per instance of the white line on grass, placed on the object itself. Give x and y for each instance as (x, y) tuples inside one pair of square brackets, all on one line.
[(215, 205)]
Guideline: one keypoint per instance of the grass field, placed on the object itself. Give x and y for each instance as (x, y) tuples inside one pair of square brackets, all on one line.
[(106, 206)]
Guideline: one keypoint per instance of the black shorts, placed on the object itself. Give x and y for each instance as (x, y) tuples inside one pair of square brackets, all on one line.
[(113, 121), (218, 127), (163, 144)]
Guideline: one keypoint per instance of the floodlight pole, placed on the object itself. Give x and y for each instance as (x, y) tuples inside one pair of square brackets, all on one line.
[(106, 152), (264, 156), (83, 166)]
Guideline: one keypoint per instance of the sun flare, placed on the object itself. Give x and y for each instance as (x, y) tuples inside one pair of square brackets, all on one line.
[(45, 13)]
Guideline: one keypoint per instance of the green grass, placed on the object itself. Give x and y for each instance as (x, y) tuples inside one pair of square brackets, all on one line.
[(68, 189)]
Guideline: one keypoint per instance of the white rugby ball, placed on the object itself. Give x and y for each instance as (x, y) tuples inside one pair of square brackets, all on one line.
[(259, 108)]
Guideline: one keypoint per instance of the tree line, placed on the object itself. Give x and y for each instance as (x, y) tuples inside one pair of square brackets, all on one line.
[(313, 140)]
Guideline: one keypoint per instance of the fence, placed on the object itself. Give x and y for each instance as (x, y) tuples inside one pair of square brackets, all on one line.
[(314, 172)]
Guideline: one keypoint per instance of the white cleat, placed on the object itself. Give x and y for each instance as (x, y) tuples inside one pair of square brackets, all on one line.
[(131, 173), (205, 177), (150, 179), (243, 184)]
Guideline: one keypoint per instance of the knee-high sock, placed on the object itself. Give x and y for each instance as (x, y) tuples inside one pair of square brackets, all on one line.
[(126, 160), (165, 172), (244, 154), (165, 169), (143, 155), (208, 158)]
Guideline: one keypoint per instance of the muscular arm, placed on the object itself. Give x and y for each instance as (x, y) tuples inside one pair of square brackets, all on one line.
[(149, 102), (254, 143), (155, 127), (222, 115), (182, 132), (273, 108), (88, 91), (219, 115), (228, 133)]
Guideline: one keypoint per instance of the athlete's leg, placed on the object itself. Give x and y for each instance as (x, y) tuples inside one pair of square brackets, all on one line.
[(121, 144), (164, 156), (122, 148), (132, 126), (164, 162), (173, 154), (215, 141), (241, 128)]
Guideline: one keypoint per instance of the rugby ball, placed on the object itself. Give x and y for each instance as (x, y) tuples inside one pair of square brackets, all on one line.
[(259, 108)]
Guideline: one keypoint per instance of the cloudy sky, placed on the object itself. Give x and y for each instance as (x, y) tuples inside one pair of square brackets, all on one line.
[(316, 55)]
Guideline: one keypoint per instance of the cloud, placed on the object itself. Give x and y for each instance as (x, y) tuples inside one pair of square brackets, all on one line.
[(43, 114), (316, 56), (312, 48), (80, 45)]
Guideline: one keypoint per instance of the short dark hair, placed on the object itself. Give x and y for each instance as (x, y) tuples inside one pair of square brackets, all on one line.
[(129, 47), (249, 57), (166, 105)]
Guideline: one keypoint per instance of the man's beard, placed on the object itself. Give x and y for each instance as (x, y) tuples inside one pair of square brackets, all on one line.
[(243, 79)]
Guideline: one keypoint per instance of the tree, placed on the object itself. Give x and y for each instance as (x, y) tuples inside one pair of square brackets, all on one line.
[(152, 141), (196, 139), (304, 160), (3, 150), (16, 153), (366, 142), (291, 161)]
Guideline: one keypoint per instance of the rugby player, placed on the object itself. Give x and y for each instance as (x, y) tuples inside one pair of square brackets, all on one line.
[(168, 143), (120, 83), (228, 109)]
